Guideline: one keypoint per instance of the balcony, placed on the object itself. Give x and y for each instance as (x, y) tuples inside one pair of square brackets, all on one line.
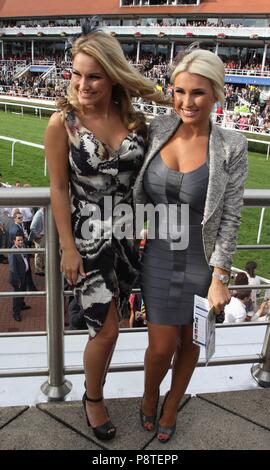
[(53, 425), (158, 3), (198, 31)]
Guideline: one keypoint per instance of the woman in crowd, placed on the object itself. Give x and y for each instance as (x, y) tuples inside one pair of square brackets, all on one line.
[(190, 161), (95, 147), (239, 307), (238, 310), (253, 280)]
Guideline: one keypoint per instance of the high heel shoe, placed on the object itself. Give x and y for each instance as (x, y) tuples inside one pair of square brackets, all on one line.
[(168, 430), (148, 419), (104, 432)]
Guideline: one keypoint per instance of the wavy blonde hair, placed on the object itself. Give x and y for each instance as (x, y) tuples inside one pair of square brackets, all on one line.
[(208, 65), (128, 81)]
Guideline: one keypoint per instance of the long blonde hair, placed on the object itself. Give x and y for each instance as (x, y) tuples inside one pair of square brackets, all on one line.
[(129, 82), (208, 65)]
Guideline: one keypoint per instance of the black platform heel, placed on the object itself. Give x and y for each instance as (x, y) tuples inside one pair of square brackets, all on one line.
[(168, 430), (106, 431), (148, 419)]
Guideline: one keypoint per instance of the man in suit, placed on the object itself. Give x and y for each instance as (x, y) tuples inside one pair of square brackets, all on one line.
[(36, 235), (19, 272), (16, 228)]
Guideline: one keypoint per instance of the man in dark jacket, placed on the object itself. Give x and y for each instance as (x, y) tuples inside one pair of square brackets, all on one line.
[(19, 272), (16, 228)]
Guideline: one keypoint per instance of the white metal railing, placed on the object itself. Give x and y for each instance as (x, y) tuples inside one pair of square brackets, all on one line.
[(38, 109), (248, 72), (16, 93), (21, 71), (23, 142), (41, 147), (8, 66), (48, 72), (151, 110), (33, 197), (179, 30), (10, 91), (57, 386), (265, 142)]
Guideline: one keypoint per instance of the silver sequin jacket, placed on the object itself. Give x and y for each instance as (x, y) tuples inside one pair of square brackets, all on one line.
[(227, 159)]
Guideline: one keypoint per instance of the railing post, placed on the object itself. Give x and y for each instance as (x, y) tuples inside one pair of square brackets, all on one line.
[(261, 372), (12, 152), (57, 387), (260, 225)]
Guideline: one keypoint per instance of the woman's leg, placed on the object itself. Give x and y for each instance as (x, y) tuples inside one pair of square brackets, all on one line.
[(162, 345), (97, 356), (185, 360)]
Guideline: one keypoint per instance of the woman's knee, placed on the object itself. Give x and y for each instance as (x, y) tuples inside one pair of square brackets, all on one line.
[(109, 335), (110, 330), (161, 352), (186, 344)]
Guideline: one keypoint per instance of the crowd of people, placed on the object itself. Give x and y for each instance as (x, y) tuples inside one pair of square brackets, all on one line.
[(22, 227), (31, 87), (99, 149), (171, 21), (248, 304), (254, 115)]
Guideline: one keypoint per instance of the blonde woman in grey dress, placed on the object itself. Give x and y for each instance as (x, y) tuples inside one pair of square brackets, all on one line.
[(190, 161)]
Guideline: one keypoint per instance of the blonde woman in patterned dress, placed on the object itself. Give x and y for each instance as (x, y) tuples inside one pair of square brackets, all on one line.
[(95, 147)]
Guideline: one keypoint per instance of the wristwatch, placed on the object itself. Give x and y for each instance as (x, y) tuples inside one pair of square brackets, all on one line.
[(224, 278)]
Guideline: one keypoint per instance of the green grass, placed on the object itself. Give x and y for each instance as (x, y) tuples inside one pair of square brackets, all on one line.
[(28, 162), (30, 128), (258, 171), (259, 178), (31, 102), (248, 236), (29, 166)]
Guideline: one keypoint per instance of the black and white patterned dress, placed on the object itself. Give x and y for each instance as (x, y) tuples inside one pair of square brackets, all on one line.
[(101, 178)]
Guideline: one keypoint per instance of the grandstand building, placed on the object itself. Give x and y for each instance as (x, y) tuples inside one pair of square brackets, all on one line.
[(234, 29), (33, 56), (34, 36)]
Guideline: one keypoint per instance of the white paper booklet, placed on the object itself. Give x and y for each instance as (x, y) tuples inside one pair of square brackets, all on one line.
[(204, 326)]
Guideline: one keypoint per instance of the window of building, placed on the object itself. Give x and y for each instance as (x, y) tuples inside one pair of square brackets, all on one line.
[(151, 3)]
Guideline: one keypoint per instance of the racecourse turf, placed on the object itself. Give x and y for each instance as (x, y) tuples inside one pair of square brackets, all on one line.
[(29, 168)]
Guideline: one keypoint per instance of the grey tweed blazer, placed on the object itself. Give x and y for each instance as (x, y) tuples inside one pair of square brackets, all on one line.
[(227, 160)]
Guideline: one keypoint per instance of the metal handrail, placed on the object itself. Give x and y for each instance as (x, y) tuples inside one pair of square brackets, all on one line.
[(57, 386), (134, 367)]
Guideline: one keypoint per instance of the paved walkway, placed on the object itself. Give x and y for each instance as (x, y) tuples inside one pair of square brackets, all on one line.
[(33, 319), (214, 421)]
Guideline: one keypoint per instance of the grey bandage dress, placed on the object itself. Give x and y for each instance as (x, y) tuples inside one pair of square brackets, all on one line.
[(171, 277)]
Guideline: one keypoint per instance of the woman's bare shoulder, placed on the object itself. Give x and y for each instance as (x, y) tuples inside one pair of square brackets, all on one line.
[(56, 134), (56, 119)]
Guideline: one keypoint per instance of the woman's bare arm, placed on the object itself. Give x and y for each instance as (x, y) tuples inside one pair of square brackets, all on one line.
[(56, 150)]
